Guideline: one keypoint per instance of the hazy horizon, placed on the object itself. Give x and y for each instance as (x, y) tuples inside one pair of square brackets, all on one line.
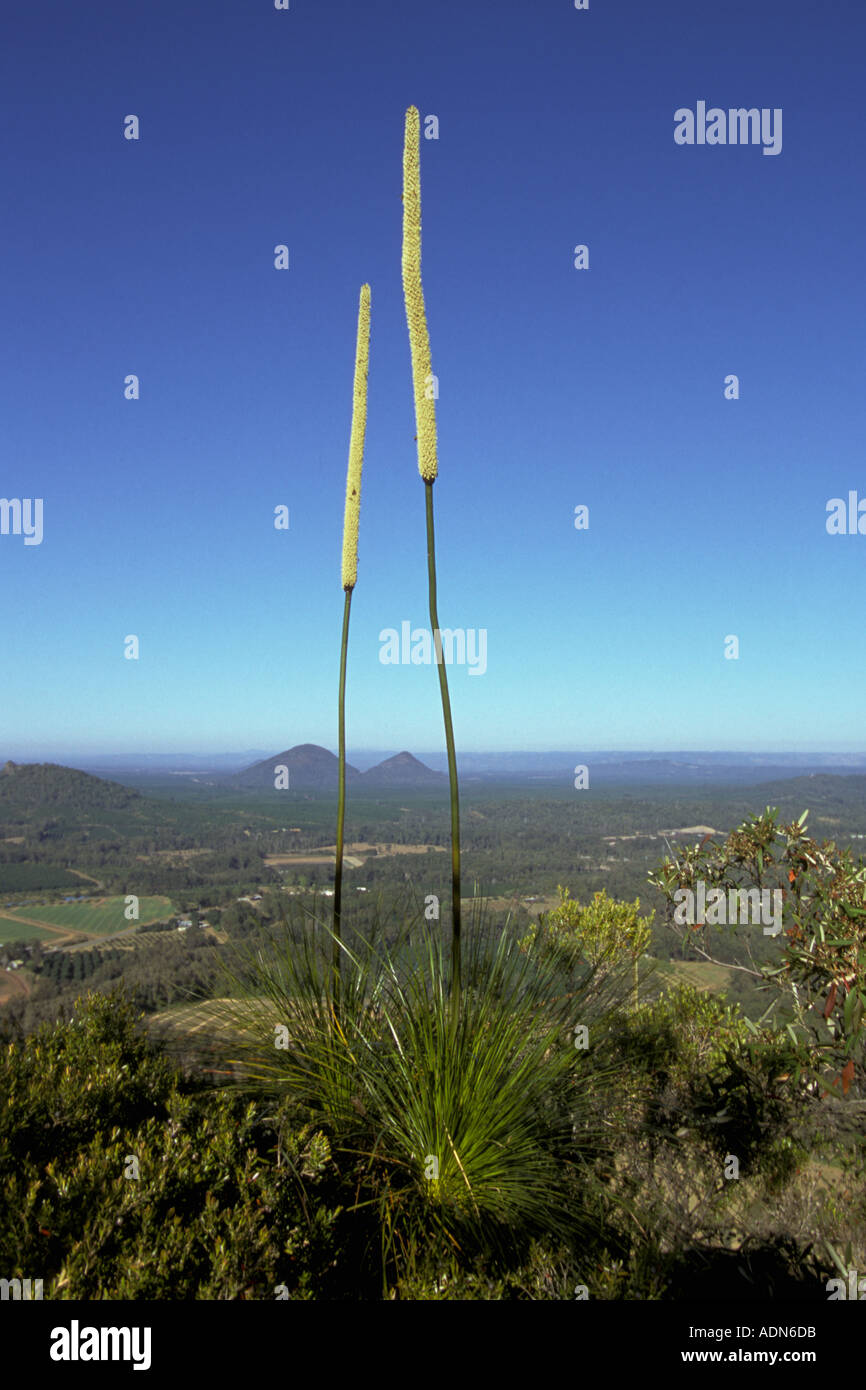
[(363, 757)]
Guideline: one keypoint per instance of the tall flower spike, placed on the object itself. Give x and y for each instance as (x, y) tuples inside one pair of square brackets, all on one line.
[(351, 519), (425, 419), (419, 339), (352, 513)]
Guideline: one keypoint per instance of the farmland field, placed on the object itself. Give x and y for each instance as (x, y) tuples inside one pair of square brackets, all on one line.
[(133, 941), (189, 1018), (359, 851), (214, 1017), (12, 930), (99, 917)]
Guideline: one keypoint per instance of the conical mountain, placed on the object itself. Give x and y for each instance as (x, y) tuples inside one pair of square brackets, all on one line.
[(311, 768), (403, 770)]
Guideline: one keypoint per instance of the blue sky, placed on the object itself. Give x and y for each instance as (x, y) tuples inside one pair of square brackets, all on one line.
[(557, 386)]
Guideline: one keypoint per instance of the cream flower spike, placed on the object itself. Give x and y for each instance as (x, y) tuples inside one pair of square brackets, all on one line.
[(419, 339), (352, 513)]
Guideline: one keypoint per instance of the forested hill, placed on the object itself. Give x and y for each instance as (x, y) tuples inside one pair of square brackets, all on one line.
[(821, 793), (35, 786)]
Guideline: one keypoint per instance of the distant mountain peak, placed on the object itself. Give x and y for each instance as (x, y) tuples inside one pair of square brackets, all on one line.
[(403, 770), (311, 768)]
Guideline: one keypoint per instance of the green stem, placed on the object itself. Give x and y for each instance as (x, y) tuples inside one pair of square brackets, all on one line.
[(341, 798), (452, 759)]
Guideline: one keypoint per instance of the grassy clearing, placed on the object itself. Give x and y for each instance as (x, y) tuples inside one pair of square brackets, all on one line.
[(185, 1018), (14, 929), (100, 917), (207, 1016), (703, 974), (355, 855), (534, 905)]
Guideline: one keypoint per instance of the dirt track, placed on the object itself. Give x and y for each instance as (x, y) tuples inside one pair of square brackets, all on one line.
[(12, 986)]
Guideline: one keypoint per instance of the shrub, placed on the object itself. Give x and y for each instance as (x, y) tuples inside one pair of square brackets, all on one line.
[(210, 1214)]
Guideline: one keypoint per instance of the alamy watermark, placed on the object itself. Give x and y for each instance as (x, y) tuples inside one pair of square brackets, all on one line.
[(77, 1343), (22, 516), (846, 521), (415, 647), (716, 908), (736, 126), (25, 1290), (856, 1288)]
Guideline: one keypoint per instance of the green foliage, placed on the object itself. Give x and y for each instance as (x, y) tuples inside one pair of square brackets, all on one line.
[(605, 934), (686, 1033), (822, 950), (614, 1155), (70, 1081), (700, 1079), (210, 1214)]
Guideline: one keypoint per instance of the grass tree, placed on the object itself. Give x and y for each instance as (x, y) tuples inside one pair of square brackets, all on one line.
[(462, 1092), (472, 1135)]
